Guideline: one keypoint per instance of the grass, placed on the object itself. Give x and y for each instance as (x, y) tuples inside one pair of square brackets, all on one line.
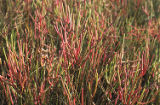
[(79, 52)]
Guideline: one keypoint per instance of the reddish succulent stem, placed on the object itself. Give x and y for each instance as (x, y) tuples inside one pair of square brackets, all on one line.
[(82, 98)]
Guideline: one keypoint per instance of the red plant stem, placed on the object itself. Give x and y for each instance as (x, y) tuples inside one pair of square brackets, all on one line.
[(65, 90), (74, 101), (35, 26), (110, 95), (117, 2), (116, 99), (121, 2), (120, 95), (57, 3), (10, 95), (82, 103)]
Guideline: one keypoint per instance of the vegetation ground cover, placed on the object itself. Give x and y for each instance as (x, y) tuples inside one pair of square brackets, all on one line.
[(79, 52)]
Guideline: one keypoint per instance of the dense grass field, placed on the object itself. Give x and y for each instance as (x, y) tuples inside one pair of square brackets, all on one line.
[(79, 52)]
